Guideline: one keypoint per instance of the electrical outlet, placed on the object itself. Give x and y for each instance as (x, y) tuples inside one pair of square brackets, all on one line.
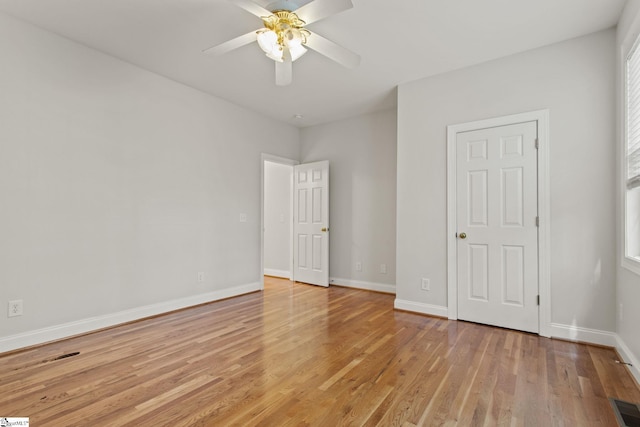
[(200, 276), (15, 308), (426, 284), (358, 266), (383, 268)]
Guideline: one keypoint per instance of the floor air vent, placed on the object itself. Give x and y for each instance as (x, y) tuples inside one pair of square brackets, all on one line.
[(64, 356), (628, 414)]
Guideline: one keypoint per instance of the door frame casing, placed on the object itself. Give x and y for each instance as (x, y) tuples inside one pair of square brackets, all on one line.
[(544, 249), (284, 161)]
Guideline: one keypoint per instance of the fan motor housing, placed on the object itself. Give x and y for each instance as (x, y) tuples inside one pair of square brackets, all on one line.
[(287, 5)]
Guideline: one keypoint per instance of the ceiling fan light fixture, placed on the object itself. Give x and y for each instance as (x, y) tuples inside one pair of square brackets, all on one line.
[(269, 43), (296, 50), (294, 39), (283, 30), (284, 38)]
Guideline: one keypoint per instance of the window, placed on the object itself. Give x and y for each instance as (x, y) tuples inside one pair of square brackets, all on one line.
[(633, 119), (632, 160)]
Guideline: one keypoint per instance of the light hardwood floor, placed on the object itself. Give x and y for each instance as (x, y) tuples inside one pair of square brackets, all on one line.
[(303, 355)]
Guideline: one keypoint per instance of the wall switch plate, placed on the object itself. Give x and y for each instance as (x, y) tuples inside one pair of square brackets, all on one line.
[(243, 217), (383, 268), (200, 276), (15, 308), (426, 284), (358, 266)]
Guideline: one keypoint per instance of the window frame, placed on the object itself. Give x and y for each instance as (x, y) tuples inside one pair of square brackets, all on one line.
[(630, 262)]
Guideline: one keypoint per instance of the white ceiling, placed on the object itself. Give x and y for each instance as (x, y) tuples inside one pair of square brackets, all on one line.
[(399, 41)]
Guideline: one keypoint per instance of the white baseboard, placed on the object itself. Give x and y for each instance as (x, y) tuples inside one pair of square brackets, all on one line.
[(277, 273), (420, 307), (358, 284), (627, 356), (595, 336), (576, 333), (52, 333)]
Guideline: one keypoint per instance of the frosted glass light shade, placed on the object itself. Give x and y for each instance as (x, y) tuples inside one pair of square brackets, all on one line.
[(273, 43), (276, 55), (296, 50), (293, 39), (268, 42)]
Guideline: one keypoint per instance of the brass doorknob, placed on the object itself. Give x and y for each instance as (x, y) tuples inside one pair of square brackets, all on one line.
[(463, 235), (324, 230)]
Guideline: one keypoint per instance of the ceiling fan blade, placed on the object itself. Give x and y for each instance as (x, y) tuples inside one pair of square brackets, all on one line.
[(232, 44), (251, 7), (284, 71), (333, 51), (320, 9)]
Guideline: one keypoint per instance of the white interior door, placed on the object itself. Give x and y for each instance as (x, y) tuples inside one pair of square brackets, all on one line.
[(497, 245), (311, 223)]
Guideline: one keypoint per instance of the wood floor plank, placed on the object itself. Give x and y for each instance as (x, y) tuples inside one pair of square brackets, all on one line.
[(302, 355)]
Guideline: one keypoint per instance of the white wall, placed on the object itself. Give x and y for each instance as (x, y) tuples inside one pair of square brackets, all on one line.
[(277, 219), (575, 81), (628, 282), (362, 158), (117, 186)]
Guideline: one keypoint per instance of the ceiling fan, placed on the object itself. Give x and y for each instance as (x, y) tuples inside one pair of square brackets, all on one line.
[(284, 37)]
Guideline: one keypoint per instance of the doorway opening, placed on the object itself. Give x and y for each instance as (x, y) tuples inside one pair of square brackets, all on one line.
[(295, 220), (277, 219)]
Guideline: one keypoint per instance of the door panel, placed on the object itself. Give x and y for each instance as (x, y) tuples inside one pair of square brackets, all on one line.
[(512, 197), (302, 251), (302, 205), (513, 275), (496, 213), (478, 198), (311, 223), (478, 272), (317, 205)]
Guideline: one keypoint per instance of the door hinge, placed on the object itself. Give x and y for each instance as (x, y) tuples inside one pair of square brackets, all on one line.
[(538, 299), (537, 221), (537, 143)]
